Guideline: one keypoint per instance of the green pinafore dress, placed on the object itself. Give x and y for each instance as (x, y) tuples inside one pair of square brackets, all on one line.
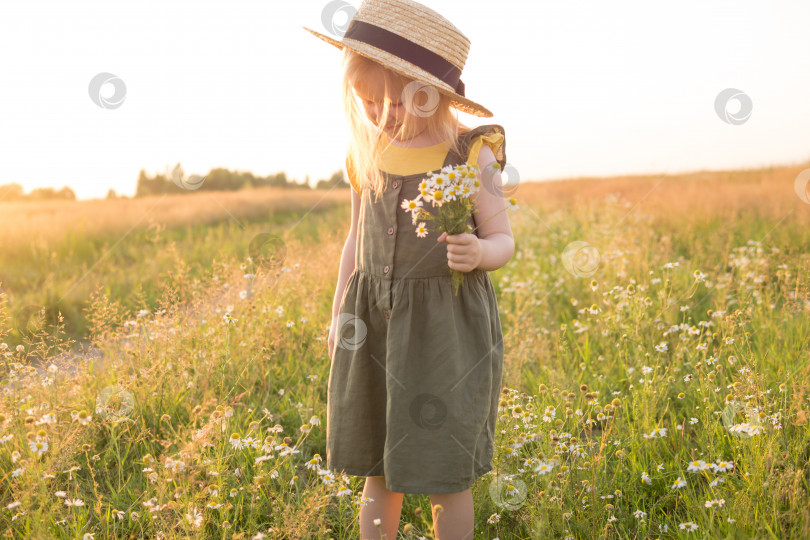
[(415, 379)]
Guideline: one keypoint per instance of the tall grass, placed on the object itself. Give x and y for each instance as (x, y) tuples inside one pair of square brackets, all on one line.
[(663, 395)]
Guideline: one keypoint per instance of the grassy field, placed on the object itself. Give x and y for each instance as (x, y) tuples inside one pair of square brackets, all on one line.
[(655, 372)]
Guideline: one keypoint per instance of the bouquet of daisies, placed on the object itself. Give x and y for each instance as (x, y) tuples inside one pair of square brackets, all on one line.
[(450, 192)]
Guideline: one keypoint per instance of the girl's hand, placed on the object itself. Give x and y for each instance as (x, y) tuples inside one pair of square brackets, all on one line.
[(464, 251)]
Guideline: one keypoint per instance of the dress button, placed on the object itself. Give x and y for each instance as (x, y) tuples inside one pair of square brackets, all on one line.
[(390, 230), (386, 268), (396, 183)]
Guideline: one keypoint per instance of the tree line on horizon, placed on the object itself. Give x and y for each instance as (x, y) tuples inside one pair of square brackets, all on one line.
[(14, 193), (218, 179)]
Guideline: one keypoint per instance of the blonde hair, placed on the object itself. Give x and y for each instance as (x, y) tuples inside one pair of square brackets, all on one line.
[(365, 138)]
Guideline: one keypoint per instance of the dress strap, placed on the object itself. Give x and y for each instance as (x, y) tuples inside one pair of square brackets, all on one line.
[(466, 139)]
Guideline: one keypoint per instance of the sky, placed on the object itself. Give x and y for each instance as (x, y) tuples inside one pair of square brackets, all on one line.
[(586, 88)]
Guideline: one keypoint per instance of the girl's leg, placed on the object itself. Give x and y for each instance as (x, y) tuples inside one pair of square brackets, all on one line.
[(386, 506), (456, 520)]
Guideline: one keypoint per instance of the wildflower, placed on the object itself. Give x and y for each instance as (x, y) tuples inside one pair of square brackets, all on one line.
[(722, 466), (47, 418), (195, 518), (656, 432), (410, 205), (715, 502), (646, 478), (285, 450), (639, 514), (662, 347), (262, 458), (236, 441), (328, 478), (38, 447), (716, 482), (543, 468), (74, 502), (697, 465), (679, 483), (494, 518), (313, 463), (421, 230), (688, 526), (250, 442)]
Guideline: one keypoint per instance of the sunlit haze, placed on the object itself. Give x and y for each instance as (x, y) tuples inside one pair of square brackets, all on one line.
[(587, 88)]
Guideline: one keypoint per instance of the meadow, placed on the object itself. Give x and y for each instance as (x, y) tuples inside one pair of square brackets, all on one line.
[(655, 375)]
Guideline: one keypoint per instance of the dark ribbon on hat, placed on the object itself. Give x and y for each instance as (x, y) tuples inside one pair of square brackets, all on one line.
[(409, 51)]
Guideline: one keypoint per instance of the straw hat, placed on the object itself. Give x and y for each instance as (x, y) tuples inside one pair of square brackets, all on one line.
[(410, 39)]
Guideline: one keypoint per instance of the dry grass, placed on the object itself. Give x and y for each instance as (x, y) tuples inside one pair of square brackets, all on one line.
[(51, 221), (767, 193)]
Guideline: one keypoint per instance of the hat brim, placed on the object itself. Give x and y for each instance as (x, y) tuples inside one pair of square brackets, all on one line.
[(393, 63)]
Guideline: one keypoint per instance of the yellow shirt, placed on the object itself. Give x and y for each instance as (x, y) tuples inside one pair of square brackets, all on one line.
[(405, 161)]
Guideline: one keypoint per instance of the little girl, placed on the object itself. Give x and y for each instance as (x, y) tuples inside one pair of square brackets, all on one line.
[(416, 369)]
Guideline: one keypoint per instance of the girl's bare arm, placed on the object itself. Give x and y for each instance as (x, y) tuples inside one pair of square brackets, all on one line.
[(495, 232), (348, 255)]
